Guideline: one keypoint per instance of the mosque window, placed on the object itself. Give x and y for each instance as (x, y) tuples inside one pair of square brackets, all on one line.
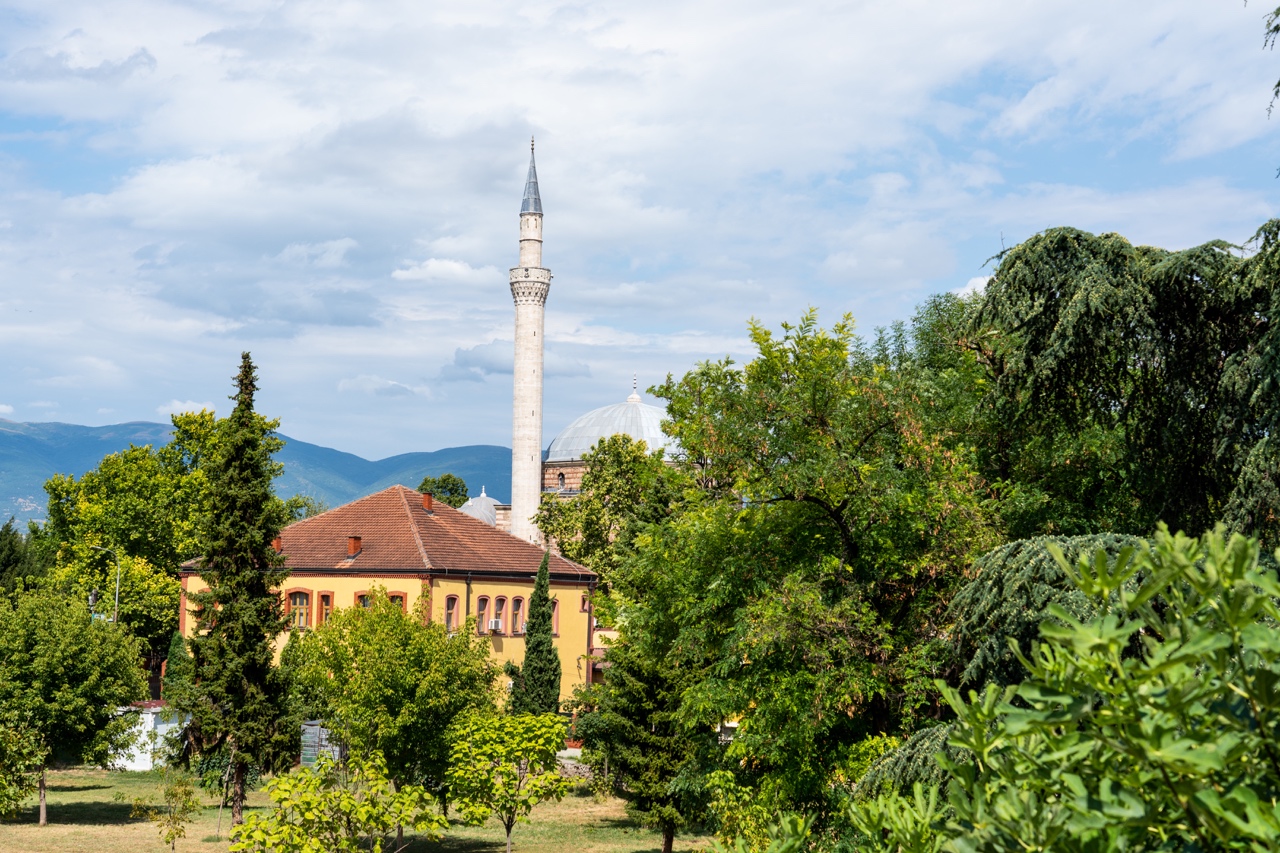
[(560, 480), (482, 614), (451, 613)]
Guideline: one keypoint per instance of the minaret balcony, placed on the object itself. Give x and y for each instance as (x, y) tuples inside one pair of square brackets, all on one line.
[(531, 274)]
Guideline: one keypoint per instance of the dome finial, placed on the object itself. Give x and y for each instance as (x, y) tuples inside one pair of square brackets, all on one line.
[(635, 396)]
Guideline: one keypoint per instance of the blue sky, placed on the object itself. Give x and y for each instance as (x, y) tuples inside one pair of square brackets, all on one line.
[(334, 186)]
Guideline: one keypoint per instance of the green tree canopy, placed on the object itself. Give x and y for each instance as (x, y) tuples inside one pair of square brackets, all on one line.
[(503, 766), (447, 488), (802, 583), (392, 682), (1170, 749), (1132, 384), (67, 677), (348, 808)]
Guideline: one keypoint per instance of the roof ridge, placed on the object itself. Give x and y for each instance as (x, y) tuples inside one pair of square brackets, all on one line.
[(413, 525)]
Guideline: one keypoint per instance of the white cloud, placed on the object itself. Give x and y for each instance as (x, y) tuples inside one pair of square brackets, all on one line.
[(378, 387), (178, 407), (974, 285), (325, 255), (334, 186), (445, 270), (6, 409)]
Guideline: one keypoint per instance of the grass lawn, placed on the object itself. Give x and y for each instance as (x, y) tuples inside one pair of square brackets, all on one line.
[(84, 817)]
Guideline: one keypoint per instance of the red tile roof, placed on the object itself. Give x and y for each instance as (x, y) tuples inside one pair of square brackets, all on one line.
[(398, 536)]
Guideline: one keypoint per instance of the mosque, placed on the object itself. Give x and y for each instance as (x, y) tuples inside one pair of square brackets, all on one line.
[(559, 469)]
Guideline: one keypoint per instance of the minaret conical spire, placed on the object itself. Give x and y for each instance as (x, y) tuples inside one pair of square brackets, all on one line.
[(532, 201)]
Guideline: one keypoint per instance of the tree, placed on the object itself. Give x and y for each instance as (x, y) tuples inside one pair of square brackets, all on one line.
[(347, 808), (66, 678), (24, 558), (180, 805), (391, 682), (624, 487), (505, 765), (635, 726), (447, 488), (238, 699), (1131, 384), (803, 587), (536, 686), (1172, 748), (22, 758)]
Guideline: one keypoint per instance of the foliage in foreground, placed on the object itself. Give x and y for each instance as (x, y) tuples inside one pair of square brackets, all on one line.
[(178, 807), (504, 766), (390, 682), (1174, 748), (334, 808), (21, 759), (64, 677)]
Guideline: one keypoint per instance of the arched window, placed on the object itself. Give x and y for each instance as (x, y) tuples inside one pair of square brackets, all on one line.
[(325, 608), (451, 613), (400, 600), (517, 616), (363, 599), (560, 480), (482, 614), (500, 614), (555, 616), (299, 610)]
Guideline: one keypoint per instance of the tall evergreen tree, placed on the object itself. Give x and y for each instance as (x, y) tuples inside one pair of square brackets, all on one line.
[(536, 688), (239, 700)]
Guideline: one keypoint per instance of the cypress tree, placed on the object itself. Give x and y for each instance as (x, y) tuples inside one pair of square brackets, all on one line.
[(537, 688), (239, 700)]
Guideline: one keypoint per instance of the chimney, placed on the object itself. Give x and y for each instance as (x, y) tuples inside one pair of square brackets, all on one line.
[(277, 544), (353, 545), (427, 502)]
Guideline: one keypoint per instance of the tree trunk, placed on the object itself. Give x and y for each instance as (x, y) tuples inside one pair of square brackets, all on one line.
[(237, 794), (509, 828), (44, 816), (668, 838)]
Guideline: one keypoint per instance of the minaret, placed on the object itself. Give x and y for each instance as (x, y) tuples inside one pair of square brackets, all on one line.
[(530, 283)]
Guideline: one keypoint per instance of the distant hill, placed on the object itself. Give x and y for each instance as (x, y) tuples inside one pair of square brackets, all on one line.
[(30, 453)]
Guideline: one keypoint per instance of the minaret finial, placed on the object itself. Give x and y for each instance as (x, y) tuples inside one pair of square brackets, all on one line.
[(532, 201), (635, 395)]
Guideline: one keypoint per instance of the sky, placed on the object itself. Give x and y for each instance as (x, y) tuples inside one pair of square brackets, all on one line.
[(335, 185)]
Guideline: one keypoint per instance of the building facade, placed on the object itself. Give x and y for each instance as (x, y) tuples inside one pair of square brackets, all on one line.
[(428, 555)]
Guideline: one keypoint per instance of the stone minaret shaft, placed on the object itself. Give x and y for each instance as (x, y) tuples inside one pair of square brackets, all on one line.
[(530, 283)]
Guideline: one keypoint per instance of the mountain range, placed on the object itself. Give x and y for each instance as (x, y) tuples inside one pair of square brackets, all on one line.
[(30, 453)]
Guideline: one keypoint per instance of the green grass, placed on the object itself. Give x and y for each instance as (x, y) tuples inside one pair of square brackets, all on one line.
[(86, 816)]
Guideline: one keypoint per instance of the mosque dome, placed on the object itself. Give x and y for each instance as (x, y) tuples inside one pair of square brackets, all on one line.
[(634, 418), (482, 507)]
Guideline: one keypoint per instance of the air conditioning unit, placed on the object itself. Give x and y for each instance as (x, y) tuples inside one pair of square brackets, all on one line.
[(495, 624)]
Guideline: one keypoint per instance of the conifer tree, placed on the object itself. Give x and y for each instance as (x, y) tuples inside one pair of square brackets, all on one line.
[(239, 700), (536, 689)]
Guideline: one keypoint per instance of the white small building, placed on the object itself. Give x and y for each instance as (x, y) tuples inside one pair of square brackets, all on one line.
[(155, 720)]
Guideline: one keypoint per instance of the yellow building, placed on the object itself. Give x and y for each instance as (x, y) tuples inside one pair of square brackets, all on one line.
[(401, 541)]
